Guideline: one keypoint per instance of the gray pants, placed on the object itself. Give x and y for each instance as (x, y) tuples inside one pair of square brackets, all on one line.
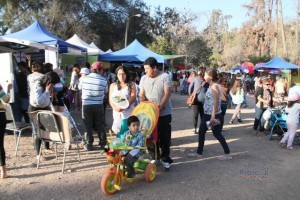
[(93, 118)]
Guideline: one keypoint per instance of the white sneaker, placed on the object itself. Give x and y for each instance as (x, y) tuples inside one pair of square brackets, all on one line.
[(166, 165)]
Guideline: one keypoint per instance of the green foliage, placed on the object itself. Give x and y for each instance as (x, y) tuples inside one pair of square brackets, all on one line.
[(161, 46), (256, 59), (199, 52), (3, 28)]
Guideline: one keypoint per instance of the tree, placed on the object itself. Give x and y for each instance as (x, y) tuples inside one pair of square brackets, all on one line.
[(100, 21), (258, 31), (161, 46), (199, 52)]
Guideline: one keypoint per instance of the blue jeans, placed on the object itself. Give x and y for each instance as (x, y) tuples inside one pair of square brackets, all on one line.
[(217, 131), (258, 114)]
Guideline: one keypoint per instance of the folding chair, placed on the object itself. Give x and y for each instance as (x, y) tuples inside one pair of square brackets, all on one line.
[(12, 125), (55, 127), (277, 122)]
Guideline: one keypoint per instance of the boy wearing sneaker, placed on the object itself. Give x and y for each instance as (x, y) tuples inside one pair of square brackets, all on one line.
[(133, 138), (156, 86)]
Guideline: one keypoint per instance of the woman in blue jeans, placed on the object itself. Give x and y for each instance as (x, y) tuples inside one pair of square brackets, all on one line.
[(213, 115)]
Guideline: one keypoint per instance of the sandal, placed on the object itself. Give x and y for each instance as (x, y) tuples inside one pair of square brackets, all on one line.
[(225, 157), (282, 145), (194, 155)]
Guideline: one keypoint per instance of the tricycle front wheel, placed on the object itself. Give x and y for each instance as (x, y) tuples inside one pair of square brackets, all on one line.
[(108, 183)]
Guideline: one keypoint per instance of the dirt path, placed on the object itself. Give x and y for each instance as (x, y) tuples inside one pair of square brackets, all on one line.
[(259, 169)]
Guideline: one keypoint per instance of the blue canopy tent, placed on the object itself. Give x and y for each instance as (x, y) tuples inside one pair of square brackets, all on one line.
[(38, 33), (134, 52), (276, 63)]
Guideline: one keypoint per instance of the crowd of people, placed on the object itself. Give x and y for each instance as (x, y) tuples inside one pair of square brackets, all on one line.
[(92, 87)]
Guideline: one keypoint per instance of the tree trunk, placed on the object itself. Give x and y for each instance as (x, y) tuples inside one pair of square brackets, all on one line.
[(269, 32), (297, 31), (276, 28), (281, 26)]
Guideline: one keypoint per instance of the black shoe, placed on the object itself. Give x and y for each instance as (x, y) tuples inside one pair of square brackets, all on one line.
[(231, 122), (88, 147), (195, 131), (168, 160), (239, 121)]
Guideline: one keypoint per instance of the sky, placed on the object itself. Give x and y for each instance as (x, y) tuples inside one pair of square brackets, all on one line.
[(228, 7)]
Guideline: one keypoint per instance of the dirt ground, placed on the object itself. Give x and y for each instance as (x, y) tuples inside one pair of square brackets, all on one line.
[(259, 168)]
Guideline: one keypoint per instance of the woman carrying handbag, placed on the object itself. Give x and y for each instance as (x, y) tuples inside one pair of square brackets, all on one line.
[(196, 89)]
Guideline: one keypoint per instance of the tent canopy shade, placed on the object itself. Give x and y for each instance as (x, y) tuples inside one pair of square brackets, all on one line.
[(38, 33), (134, 52), (276, 63), (170, 57), (75, 40)]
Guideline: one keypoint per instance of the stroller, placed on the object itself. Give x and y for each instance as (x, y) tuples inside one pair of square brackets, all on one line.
[(278, 122), (148, 113), (74, 129)]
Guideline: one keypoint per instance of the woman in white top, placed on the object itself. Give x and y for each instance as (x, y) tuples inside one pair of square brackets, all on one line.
[(237, 96), (292, 119), (74, 86), (124, 87)]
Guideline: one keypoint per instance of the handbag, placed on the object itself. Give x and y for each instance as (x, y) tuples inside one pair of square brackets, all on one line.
[(191, 99)]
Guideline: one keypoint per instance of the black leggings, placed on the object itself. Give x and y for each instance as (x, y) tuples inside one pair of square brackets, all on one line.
[(38, 141), (217, 131), (197, 110), (2, 132)]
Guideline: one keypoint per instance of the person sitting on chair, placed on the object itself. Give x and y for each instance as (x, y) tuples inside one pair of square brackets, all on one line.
[(133, 138)]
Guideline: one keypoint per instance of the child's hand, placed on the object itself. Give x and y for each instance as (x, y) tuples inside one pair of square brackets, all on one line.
[(49, 87), (123, 158)]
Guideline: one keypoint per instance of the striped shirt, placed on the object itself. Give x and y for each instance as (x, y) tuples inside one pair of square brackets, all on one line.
[(94, 87)]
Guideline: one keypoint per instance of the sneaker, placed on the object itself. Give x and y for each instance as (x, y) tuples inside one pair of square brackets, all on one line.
[(166, 165), (290, 148), (231, 122), (195, 131), (239, 121), (102, 145)]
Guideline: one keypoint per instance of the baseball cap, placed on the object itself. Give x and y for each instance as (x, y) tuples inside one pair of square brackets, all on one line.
[(84, 71), (97, 65), (294, 93), (59, 71)]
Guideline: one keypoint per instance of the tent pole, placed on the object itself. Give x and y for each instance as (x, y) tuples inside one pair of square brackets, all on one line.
[(57, 61)]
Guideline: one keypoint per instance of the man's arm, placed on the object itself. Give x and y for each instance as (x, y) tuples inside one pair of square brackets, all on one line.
[(167, 93), (142, 91), (166, 97)]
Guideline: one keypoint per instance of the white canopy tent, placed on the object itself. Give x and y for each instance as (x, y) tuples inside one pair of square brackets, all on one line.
[(91, 50)]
